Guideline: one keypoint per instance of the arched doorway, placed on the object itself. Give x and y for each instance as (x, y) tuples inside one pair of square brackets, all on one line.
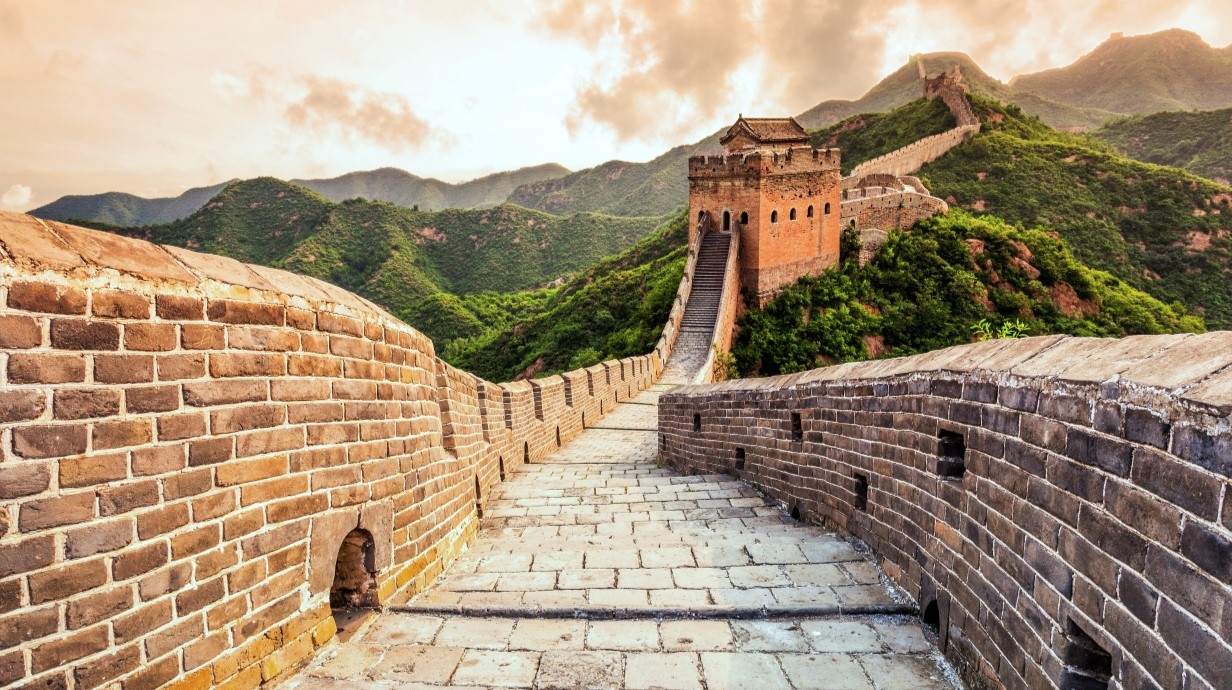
[(354, 594), (727, 221)]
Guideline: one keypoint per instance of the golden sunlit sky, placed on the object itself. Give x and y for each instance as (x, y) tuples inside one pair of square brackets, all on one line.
[(155, 96)]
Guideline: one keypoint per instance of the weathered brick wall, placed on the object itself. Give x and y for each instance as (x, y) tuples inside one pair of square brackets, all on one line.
[(915, 155), (890, 210), (1041, 499), (185, 441)]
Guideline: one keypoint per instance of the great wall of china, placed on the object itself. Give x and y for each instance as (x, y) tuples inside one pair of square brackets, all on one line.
[(196, 454)]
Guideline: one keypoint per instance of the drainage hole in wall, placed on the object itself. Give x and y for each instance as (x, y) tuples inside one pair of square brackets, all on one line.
[(1088, 665), (797, 428), (861, 500), (697, 422), (739, 459), (951, 454)]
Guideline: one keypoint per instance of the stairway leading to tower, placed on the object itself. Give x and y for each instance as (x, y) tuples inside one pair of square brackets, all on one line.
[(702, 310)]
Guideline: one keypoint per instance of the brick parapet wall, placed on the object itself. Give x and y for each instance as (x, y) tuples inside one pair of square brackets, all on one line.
[(915, 155), (185, 440), (890, 209), (1095, 497)]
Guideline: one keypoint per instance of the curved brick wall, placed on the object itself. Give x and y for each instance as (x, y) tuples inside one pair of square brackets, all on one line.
[(185, 441), (891, 210), (1093, 511)]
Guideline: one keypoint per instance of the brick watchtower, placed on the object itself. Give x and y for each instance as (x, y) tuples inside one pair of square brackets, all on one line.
[(779, 193)]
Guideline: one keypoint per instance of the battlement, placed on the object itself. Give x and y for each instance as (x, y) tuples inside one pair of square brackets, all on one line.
[(762, 163)]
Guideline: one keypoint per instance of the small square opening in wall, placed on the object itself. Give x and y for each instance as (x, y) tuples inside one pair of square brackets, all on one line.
[(861, 491), (1088, 666), (797, 428), (951, 454), (697, 422), (739, 458)]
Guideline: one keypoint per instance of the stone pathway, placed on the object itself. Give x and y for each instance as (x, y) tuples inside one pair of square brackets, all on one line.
[(599, 569)]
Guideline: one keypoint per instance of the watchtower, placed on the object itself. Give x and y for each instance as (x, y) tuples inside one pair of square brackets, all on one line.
[(779, 193)]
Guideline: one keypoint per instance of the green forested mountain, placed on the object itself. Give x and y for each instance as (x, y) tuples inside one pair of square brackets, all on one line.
[(1199, 141), (414, 263), (864, 137), (118, 208), (402, 188)]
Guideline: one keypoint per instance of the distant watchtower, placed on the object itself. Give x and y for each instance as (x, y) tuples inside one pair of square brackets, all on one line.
[(778, 192)]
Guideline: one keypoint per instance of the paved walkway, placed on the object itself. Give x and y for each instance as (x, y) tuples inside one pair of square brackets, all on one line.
[(600, 569)]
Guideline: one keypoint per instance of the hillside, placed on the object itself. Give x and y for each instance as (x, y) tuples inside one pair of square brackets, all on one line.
[(615, 309), (402, 188), (1169, 70), (1162, 230), (1198, 141), (928, 288), (864, 137), (385, 184), (118, 208), (414, 263)]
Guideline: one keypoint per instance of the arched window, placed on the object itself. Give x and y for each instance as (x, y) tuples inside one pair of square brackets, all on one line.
[(744, 218), (791, 215), (726, 221), (774, 216), (355, 573), (827, 208), (810, 211)]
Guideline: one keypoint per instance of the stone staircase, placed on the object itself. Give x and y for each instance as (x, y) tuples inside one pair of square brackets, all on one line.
[(702, 310)]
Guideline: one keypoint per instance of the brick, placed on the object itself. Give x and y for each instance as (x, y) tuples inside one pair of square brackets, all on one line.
[(230, 364), (203, 337), (139, 561), (100, 671), (162, 520), (1143, 427), (310, 365), (247, 418), (46, 368), (77, 335), (243, 472), (20, 332), (334, 323), (1209, 550), (39, 442), (152, 399), (46, 298), (175, 636), (195, 541), (21, 406), (300, 389), (61, 652), (132, 626), (91, 470), (181, 367), (270, 441), (199, 653), (123, 368), (216, 561), (1107, 453), (127, 497), (273, 489), (104, 605), (154, 675), (150, 337), (1156, 520), (185, 484), (30, 625), (1199, 447), (57, 511), (315, 412), (229, 311), (1139, 597), (27, 555), (1177, 482), (12, 667), (170, 579), (263, 339), (176, 308), (193, 600), (224, 392), (98, 537), (213, 506), (181, 426), (24, 479), (121, 434), (302, 319), (1187, 638), (65, 581), (350, 347), (158, 460), (118, 304), (85, 403), (210, 451), (298, 507)]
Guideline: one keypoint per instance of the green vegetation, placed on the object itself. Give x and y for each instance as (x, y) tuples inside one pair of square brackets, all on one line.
[(615, 309), (118, 208), (929, 288), (1162, 230), (1198, 141), (419, 265), (402, 188), (864, 137)]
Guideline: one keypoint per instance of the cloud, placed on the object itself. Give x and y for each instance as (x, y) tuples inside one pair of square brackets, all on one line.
[(17, 197), (332, 106)]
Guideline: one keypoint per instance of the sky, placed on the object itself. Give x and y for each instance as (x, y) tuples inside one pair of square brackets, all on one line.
[(151, 97)]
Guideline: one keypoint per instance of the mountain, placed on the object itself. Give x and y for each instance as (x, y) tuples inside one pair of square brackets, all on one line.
[(1198, 141), (1169, 70), (624, 189), (416, 264), (118, 208), (402, 188), (386, 184)]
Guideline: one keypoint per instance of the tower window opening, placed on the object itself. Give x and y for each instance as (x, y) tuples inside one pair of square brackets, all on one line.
[(726, 221), (827, 208), (744, 218), (791, 215), (774, 216), (810, 211)]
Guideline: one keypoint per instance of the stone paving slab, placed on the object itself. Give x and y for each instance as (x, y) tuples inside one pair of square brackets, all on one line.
[(878, 652)]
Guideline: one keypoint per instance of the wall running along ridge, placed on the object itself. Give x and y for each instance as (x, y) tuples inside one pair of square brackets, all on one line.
[(185, 441), (1054, 504)]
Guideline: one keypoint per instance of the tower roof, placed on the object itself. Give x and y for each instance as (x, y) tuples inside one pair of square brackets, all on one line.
[(768, 130)]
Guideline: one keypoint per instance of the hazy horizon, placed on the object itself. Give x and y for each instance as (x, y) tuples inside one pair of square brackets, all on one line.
[(152, 98)]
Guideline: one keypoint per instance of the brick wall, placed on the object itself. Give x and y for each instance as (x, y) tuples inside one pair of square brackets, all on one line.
[(889, 210), (1044, 500), (913, 156), (186, 440)]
